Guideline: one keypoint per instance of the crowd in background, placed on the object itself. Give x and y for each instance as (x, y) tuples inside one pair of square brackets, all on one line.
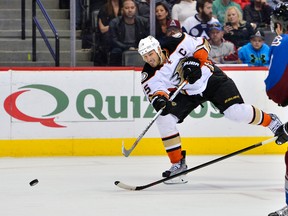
[(235, 29)]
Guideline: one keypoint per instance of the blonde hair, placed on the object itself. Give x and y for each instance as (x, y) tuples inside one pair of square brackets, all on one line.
[(239, 13)]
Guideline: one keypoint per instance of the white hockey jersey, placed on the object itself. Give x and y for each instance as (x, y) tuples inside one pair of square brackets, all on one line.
[(195, 27), (170, 75)]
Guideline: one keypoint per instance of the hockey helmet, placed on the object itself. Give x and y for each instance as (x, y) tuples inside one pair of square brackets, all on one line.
[(148, 44), (280, 15)]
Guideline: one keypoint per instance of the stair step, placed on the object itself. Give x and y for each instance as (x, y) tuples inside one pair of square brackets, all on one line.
[(16, 13), (26, 45), (12, 4), (10, 24), (17, 33), (43, 56), (17, 52), (44, 64)]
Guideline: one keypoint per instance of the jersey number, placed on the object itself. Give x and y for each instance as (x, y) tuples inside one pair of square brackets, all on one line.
[(147, 89)]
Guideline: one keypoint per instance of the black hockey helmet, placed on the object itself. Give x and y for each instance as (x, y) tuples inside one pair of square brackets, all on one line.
[(280, 15)]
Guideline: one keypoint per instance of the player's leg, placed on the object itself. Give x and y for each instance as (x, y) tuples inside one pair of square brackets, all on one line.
[(284, 210), (181, 107), (224, 94), (172, 144)]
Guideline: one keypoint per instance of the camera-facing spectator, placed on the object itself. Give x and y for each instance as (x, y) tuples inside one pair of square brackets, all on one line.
[(198, 25), (256, 52), (126, 31), (162, 14), (222, 51)]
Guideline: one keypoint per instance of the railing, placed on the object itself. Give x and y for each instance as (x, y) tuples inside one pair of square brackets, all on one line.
[(35, 23), (23, 35)]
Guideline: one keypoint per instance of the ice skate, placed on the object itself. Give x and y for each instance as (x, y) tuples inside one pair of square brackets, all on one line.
[(275, 123), (281, 212), (177, 168)]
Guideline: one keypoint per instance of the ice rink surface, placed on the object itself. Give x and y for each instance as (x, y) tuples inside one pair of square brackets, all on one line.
[(84, 186)]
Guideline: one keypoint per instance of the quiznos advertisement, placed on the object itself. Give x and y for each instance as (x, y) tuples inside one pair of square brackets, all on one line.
[(68, 104)]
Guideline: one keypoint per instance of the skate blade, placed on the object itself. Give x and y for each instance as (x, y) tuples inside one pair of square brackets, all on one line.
[(177, 180)]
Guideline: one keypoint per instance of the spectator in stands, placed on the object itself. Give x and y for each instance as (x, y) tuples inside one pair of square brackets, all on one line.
[(107, 12), (183, 10), (220, 7), (258, 13), (222, 51), (126, 31), (236, 29), (256, 52), (173, 27), (198, 25), (144, 7), (162, 16)]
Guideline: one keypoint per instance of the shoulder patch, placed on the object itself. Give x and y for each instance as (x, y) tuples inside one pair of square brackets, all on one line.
[(144, 76)]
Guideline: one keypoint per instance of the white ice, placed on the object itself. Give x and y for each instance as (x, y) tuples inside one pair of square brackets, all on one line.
[(243, 185)]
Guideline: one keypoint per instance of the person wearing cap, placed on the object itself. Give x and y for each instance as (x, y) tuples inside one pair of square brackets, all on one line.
[(256, 52), (173, 27), (222, 51)]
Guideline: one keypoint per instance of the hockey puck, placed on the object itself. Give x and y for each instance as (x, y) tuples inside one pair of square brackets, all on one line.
[(34, 182)]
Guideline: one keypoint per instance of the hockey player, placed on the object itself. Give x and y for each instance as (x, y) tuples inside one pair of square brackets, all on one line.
[(276, 81), (186, 57)]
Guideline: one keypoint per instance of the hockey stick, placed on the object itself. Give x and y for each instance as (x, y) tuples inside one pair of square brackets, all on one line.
[(126, 152), (136, 188)]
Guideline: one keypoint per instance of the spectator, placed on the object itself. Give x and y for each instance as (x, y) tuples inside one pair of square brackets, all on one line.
[(222, 51), (144, 7), (173, 27), (236, 29), (107, 12), (198, 25), (256, 52), (258, 13), (126, 31), (162, 16), (183, 10), (220, 7)]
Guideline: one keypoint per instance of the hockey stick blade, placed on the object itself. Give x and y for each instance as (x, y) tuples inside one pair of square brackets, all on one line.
[(136, 188)]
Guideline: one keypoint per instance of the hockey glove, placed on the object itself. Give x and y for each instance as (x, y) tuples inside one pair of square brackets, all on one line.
[(159, 102), (192, 70), (282, 133)]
